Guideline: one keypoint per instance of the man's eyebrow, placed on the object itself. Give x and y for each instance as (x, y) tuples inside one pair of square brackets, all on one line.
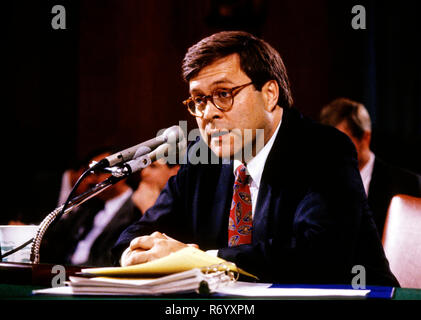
[(213, 84)]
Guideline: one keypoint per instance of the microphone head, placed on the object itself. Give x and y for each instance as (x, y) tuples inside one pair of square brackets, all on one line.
[(174, 134), (171, 135)]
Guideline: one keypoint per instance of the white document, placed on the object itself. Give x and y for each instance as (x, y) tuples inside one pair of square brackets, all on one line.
[(247, 289)]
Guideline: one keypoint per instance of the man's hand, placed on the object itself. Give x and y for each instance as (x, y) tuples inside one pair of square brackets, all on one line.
[(147, 248)]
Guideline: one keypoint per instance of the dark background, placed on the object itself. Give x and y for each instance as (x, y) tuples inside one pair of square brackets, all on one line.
[(112, 77)]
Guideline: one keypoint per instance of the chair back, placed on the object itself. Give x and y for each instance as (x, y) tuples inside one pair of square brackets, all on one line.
[(402, 240)]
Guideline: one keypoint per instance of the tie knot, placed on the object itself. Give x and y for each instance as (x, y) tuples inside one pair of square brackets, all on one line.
[(241, 175)]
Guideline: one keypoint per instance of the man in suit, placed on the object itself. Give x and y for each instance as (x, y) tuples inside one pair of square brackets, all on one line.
[(289, 209), (381, 180)]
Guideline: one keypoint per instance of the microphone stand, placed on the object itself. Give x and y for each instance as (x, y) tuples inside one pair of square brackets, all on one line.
[(117, 175)]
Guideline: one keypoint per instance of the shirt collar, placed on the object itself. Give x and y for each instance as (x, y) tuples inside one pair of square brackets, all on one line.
[(256, 164)]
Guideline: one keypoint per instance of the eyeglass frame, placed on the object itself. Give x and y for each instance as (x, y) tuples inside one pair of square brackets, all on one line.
[(210, 98)]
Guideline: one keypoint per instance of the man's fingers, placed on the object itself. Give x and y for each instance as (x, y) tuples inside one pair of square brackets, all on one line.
[(158, 235), (137, 257), (148, 248), (144, 243)]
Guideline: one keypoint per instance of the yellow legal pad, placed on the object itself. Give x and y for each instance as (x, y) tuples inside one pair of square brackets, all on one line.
[(179, 261)]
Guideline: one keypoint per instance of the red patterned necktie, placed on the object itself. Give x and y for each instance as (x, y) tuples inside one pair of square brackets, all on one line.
[(240, 221)]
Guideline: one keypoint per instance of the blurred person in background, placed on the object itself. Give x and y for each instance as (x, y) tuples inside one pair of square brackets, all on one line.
[(153, 180), (381, 180)]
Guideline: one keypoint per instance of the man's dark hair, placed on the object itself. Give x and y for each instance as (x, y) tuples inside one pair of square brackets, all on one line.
[(259, 61), (354, 113)]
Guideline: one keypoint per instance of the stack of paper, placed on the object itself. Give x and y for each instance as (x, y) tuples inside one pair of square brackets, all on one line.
[(183, 282), (187, 270)]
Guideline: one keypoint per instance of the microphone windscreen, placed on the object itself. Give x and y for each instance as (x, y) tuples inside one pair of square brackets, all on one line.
[(174, 134)]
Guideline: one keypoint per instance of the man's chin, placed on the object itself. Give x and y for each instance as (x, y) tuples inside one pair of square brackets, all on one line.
[(224, 153)]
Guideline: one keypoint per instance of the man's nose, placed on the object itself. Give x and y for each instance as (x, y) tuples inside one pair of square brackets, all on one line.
[(211, 111)]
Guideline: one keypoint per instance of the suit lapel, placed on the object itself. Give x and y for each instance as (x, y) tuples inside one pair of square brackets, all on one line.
[(222, 207)]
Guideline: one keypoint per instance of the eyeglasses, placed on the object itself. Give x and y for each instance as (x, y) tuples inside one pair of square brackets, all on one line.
[(221, 98)]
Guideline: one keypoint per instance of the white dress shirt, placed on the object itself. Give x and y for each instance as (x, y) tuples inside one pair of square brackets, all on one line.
[(101, 220), (367, 171), (255, 168)]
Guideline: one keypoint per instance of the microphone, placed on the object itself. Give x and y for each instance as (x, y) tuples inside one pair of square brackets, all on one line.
[(169, 150), (171, 134)]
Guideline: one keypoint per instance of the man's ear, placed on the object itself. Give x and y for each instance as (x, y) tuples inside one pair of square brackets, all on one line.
[(270, 91)]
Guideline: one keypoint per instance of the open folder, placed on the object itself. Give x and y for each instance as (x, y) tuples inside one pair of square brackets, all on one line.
[(183, 260)]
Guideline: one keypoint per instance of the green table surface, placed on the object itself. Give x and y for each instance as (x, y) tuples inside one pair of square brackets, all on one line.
[(18, 280)]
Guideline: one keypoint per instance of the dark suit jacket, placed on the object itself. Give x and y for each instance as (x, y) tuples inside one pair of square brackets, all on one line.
[(61, 240), (311, 224), (386, 182)]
